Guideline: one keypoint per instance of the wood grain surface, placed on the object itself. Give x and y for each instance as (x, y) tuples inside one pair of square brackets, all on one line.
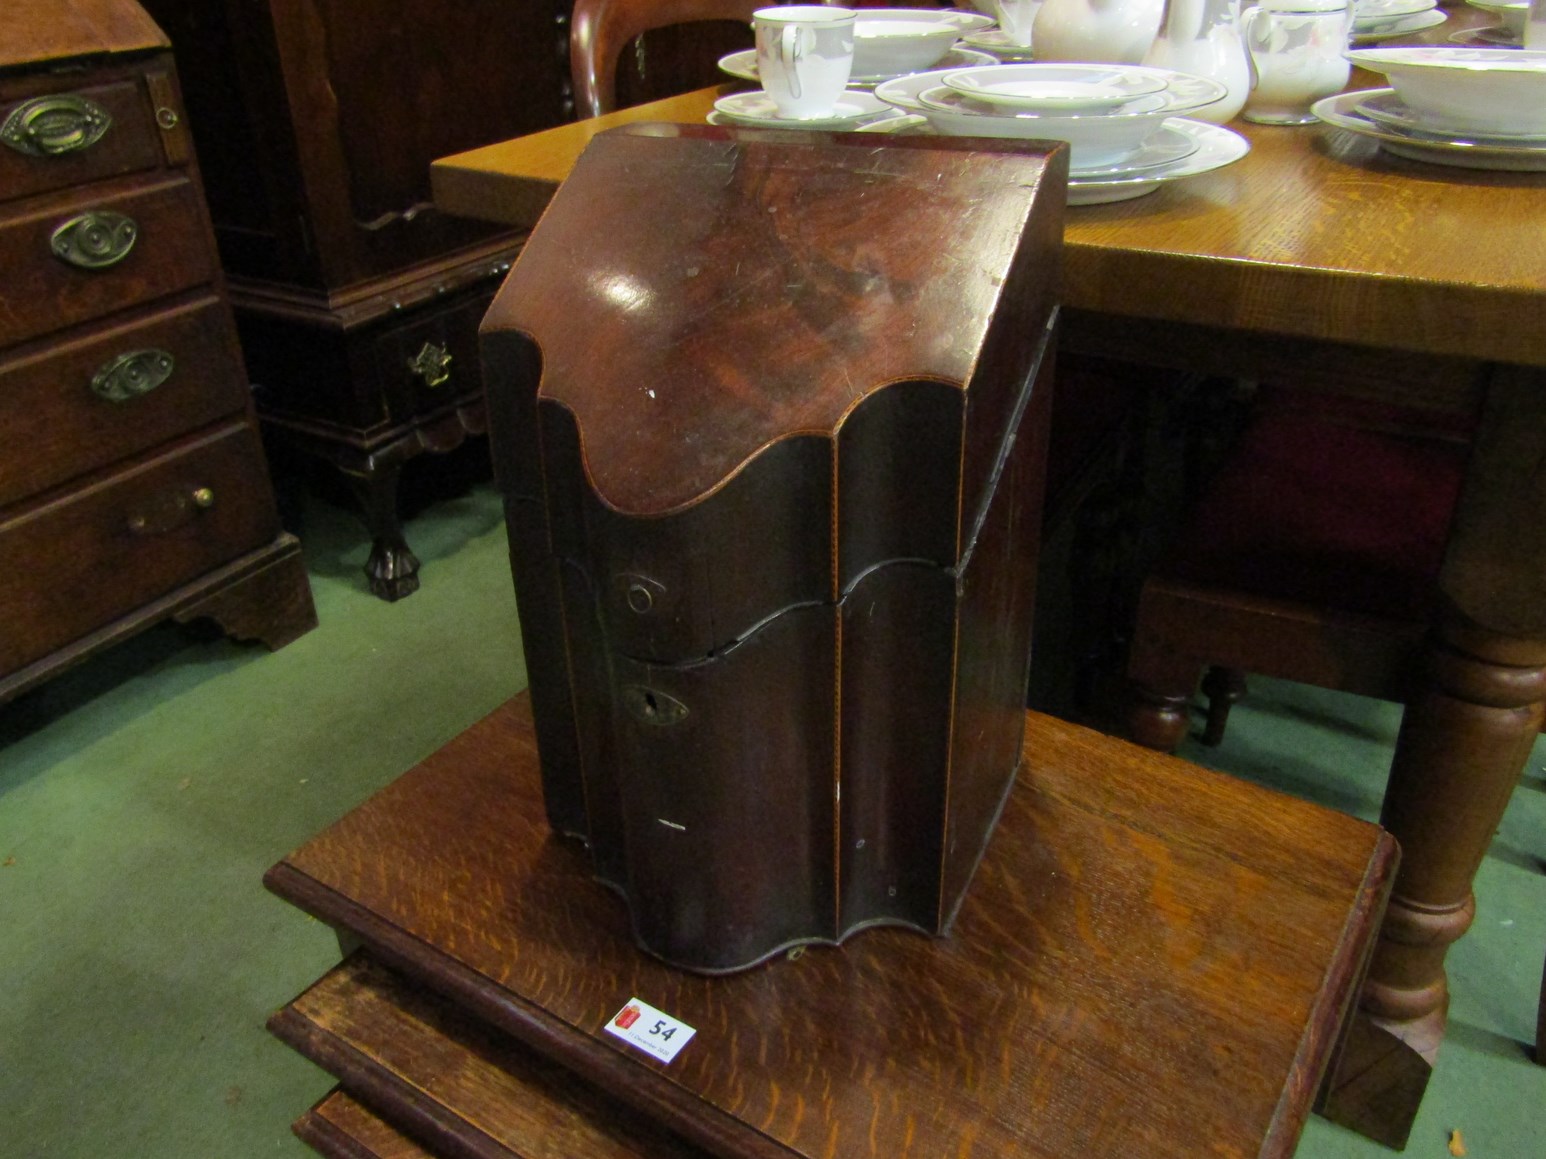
[(339, 1127), (1314, 234), (454, 1083), (1152, 959), (40, 30)]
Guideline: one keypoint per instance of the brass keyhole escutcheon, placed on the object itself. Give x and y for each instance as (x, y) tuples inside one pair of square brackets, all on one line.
[(432, 364), (94, 240), (652, 706)]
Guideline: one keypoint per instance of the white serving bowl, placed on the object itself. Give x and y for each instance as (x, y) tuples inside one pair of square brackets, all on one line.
[(892, 41), (1466, 90), (1509, 13), (1094, 139), (1055, 87)]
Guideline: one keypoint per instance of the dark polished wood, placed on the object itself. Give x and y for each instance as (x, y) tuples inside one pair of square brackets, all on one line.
[(133, 487), (761, 368), (357, 299), (1151, 954), (1320, 256)]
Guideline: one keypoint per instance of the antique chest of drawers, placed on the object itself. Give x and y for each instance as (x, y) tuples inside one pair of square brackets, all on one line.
[(769, 414), (357, 302), (133, 486)]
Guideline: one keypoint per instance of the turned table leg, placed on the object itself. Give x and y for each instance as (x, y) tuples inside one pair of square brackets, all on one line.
[(1463, 742)]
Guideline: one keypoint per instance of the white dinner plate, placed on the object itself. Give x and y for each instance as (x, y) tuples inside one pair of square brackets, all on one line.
[(1216, 148), (1384, 106), (757, 109), (743, 65), (1396, 26), (1342, 112), (1493, 36), (1166, 146)]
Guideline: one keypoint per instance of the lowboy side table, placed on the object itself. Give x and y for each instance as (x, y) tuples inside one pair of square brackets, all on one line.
[(1153, 959)]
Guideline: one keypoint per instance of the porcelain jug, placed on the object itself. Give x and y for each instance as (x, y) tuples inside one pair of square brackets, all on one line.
[(1202, 37), (1116, 31)]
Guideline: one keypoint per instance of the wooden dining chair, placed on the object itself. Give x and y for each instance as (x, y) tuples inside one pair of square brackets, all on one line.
[(600, 31), (1312, 555)]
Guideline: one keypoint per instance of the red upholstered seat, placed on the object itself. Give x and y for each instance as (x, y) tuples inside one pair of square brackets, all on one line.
[(1347, 509), (1312, 556)]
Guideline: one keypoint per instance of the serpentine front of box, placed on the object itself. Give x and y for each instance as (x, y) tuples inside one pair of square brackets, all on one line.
[(769, 411)]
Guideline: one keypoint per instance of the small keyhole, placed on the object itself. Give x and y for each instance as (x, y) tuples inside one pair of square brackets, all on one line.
[(639, 598), (650, 707)]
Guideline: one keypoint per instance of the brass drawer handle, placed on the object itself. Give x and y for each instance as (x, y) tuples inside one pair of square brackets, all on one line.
[(54, 125), (132, 374), (170, 510), (94, 240), (432, 363)]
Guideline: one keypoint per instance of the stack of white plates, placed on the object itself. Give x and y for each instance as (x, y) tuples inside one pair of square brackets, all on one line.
[(1508, 32), (1376, 20), (1124, 124), (1474, 107)]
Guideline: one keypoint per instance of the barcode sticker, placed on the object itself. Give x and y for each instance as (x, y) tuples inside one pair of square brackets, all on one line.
[(654, 1032)]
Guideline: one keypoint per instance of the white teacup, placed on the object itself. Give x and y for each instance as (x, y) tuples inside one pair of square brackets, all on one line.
[(1296, 53), (1015, 18), (805, 53)]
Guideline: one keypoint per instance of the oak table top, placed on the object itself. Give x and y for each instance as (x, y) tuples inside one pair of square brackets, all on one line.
[(1153, 959), (1315, 233)]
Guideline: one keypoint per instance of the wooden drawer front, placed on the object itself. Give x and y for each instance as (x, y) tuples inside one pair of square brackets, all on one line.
[(47, 147), (79, 563), (677, 587), (42, 293), (432, 360), (70, 415)]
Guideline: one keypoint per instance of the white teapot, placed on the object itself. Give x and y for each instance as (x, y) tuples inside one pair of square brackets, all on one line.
[(1202, 37), (1115, 31)]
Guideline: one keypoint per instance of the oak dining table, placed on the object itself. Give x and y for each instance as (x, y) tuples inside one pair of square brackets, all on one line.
[(1321, 259)]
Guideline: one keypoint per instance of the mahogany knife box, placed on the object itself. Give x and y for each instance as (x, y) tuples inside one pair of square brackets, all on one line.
[(768, 411)]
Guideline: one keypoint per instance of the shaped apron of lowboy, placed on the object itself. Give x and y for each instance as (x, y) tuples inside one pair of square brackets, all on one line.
[(769, 415)]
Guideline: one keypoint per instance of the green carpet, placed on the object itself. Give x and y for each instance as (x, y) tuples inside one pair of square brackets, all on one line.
[(143, 795)]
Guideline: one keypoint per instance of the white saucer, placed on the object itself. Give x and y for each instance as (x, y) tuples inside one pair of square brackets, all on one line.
[(1367, 11), (997, 42), (1055, 87), (743, 65), (1390, 29), (1342, 112), (757, 109), (1216, 147), (1386, 108), (1493, 36)]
